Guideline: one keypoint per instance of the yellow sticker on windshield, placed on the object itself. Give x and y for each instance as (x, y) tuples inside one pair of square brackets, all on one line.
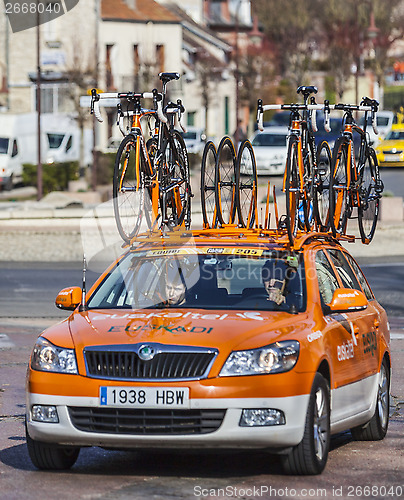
[(254, 252)]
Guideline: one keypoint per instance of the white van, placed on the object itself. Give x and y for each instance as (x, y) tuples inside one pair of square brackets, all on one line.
[(60, 141), (384, 121)]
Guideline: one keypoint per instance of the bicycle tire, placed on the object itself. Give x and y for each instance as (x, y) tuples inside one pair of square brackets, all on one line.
[(292, 188), (178, 201), (322, 186), (369, 196), (306, 205), (225, 182), (246, 188), (339, 199), (208, 201), (128, 189)]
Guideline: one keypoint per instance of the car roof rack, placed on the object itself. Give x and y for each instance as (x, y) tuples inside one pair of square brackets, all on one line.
[(231, 232)]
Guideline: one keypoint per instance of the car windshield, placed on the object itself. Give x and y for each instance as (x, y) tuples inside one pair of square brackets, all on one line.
[(271, 140), (3, 145), (55, 140), (208, 279), (395, 135), (189, 135)]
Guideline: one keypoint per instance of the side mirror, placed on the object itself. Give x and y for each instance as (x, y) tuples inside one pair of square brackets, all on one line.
[(346, 300), (69, 298)]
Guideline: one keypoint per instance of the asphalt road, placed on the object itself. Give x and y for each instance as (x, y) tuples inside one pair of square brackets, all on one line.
[(355, 469)]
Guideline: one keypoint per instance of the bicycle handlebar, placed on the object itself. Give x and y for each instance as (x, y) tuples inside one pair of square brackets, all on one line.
[(96, 97)]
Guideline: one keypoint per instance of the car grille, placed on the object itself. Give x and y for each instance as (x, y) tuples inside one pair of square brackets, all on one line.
[(145, 422), (169, 363), (392, 151)]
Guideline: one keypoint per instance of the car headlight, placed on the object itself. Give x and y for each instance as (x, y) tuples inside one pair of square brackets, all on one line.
[(274, 358), (47, 357)]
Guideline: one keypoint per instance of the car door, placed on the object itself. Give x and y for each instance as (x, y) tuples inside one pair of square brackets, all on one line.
[(339, 335), (370, 335), (363, 344)]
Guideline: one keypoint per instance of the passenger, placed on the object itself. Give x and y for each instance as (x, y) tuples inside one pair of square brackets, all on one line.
[(274, 278)]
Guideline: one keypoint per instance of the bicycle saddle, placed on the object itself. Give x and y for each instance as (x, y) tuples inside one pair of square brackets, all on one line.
[(306, 90), (167, 77)]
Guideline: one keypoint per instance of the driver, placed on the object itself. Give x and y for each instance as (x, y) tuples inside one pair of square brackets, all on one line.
[(175, 288)]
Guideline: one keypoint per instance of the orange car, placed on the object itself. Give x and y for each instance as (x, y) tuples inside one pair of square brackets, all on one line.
[(214, 339)]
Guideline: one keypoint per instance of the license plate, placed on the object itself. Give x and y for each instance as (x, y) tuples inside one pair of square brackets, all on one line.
[(391, 157), (145, 397)]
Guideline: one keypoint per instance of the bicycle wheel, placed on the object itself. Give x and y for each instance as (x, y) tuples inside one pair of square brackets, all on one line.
[(339, 199), (177, 185), (292, 185), (370, 191), (208, 185), (128, 188), (322, 186), (225, 181), (246, 184)]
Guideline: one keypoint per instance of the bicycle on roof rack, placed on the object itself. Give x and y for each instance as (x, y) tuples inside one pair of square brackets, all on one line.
[(355, 184), (151, 176), (307, 173), (229, 184)]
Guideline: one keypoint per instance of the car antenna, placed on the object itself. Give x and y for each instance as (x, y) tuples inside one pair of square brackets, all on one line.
[(83, 306)]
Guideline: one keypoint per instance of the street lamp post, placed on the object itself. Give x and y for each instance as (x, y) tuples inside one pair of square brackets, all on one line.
[(38, 106)]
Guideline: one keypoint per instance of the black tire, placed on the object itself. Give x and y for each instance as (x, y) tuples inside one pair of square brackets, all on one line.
[(225, 182), (369, 195), (246, 184), (208, 201), (309, 457), (178, 200), (292, 188), (339, 196), (307, 218), (47, 456), (128, 189), (322, 186), (376, 428)]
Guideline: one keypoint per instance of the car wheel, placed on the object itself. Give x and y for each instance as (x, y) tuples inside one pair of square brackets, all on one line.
[(309, 457), (50, 457), (376, 428)]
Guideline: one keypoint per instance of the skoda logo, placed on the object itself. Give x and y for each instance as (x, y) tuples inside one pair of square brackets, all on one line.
[(146, 353)]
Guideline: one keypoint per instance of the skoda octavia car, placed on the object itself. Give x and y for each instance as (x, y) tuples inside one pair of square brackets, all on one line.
[(214, 339)]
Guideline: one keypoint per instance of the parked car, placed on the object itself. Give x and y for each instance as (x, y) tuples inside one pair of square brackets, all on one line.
[(390, 151), (270, 150), (206, 340), (195, 139), (384, 122)]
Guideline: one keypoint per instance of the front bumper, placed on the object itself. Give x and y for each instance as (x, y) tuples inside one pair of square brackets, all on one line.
[(229, 435)]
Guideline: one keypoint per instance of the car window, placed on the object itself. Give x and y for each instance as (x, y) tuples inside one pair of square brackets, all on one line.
[(361, 278), (344, 271), (395, 135), (271, 140), (3, 145), (15, 149), (214, 280), (327, 281)]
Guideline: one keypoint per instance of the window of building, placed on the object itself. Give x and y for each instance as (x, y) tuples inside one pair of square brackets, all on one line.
[(160, 55), (191, 118), (108, 68), (55, 98)]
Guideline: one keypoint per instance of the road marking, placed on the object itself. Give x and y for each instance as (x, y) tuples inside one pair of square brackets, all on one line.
[(397, 336), (5, 342)]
